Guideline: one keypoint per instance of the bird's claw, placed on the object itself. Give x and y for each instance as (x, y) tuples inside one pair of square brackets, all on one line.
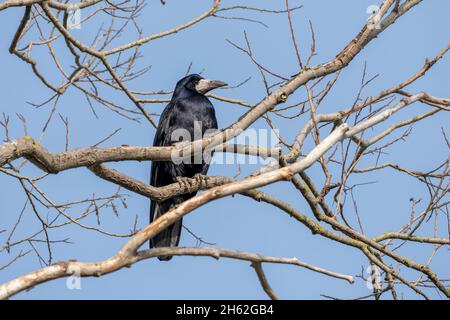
[(187, 183), (184, 182), (200, 178)]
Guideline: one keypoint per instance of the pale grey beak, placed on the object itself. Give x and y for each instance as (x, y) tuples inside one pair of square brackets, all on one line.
[(205, 85)]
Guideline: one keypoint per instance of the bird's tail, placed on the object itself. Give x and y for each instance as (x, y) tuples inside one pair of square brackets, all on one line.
[(169, 237)]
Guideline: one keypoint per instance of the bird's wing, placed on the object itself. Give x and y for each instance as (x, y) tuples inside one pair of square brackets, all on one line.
[(162, 138), (163, 126)]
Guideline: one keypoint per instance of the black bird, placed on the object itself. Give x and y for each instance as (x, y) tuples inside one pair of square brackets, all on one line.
[(188, 108)]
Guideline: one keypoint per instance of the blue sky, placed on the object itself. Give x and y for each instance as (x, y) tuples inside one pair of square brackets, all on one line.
[(235, 222)]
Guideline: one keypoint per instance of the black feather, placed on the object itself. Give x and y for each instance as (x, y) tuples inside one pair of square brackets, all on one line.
[(185, 108)]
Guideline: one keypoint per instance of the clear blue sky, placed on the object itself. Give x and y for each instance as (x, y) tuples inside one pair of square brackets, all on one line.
[(235, 222)]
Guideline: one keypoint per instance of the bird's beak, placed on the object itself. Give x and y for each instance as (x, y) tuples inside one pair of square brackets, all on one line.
[(205, 85)]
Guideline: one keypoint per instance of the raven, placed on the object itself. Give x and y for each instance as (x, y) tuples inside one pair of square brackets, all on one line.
[(188, 110)]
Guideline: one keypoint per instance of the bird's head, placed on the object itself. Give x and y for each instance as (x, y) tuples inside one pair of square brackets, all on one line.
[(195, 83)]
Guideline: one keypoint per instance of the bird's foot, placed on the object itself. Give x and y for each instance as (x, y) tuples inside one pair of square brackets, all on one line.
[(188, 183), (201, 179), (184, 182)]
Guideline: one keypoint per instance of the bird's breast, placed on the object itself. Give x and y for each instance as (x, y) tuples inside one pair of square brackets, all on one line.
[(195, 116)]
